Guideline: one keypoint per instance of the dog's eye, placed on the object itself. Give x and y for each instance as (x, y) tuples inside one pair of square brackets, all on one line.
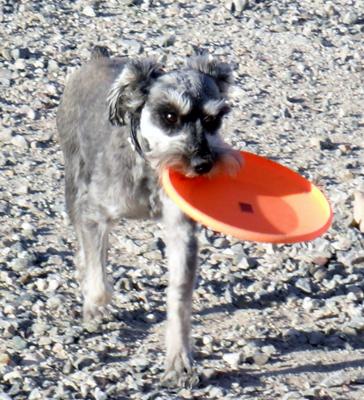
[(209, 119), (171, 117), (211, 122)]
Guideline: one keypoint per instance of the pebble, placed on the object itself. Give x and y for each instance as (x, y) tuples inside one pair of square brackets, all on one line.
[(52, 66), (216, 393), (12, 376), (19, 65), (4, 396), (5, 135), (233, 359), (99, 394), (350, 18), (88, 11), (35, 394), (4, 359), (304, 284), (19, 141), (17, 343), (260, 358), (131, 46), (292, 396), (338, 378)]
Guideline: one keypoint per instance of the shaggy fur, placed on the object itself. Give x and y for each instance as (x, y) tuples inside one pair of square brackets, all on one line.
[(120, 122)]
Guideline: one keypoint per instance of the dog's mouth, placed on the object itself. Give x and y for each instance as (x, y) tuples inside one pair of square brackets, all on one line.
[(225, 160)]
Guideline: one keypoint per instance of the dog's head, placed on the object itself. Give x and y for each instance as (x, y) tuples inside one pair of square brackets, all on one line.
[(179, 113)]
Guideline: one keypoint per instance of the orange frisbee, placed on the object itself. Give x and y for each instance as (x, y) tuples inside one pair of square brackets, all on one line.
[(265, 202)]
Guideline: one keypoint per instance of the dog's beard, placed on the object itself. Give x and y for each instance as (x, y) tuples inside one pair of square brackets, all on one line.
[(228, 161)]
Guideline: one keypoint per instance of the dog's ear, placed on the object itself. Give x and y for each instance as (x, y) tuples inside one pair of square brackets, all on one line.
[(130, 90), (221, 72)]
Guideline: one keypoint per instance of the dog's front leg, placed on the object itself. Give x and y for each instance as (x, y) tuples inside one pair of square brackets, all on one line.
[(182, 258)]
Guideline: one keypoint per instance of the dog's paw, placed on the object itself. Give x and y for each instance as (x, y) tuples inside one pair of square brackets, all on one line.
[(179, 370), (95, 302)]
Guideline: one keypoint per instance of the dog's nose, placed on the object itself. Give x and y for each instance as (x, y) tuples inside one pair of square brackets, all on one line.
[(201, 165)]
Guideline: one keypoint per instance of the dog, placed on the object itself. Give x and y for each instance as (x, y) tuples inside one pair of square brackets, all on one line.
[(120, 122)]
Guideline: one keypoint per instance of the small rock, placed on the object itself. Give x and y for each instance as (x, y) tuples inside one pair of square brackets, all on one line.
[(55, 302), (141, 363), (40, 284), (150, 318), (27, 228), (357, 323), (91, 326), (5, 135), (233, 359), (350, 18), (132, 46), (52, 66), (208, 373), (17, 343), (4, 396), (309, 304), (99, 394), (292, 396), (12, 376), (260, 358), (21, 187), (270, 350), (19, 141), (28, 112), (336, 379), (89, 11), (67, 368), (167, 40), (53, 285), (207, 340), (304, 284), (321, 260), (35, 394), (216, 393), (19, 65), (4, 360)]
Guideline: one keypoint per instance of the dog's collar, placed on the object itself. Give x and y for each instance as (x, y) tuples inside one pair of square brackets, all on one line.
[(134, 135)]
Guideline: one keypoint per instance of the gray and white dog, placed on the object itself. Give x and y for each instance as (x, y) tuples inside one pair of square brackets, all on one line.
[(120, 123)]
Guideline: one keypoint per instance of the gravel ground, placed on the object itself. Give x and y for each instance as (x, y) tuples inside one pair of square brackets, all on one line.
[(270, 322)]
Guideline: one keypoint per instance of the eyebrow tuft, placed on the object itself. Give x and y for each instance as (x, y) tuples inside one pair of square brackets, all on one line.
[(215, 107)]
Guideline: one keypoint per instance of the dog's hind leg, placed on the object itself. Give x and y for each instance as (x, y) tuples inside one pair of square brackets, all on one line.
[(93, 241), (182, 260)]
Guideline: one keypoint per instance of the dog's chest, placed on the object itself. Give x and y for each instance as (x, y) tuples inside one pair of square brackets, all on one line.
[(126, 187)]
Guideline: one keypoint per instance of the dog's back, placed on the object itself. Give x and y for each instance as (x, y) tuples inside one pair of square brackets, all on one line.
[(83, 120), (89, 87)]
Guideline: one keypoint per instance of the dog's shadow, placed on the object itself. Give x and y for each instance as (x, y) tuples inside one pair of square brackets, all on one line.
[(252, 377)]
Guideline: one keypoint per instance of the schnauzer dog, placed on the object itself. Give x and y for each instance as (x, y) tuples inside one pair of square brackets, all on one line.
[(120, 123)]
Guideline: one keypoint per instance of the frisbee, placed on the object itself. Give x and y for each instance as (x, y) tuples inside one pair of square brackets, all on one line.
[(264, 202)]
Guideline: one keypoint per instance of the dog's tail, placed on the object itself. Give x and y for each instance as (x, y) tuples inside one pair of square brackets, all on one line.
[(99, 52)]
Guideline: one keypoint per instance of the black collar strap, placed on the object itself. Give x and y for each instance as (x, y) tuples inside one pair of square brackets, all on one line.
[(134, 135)]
